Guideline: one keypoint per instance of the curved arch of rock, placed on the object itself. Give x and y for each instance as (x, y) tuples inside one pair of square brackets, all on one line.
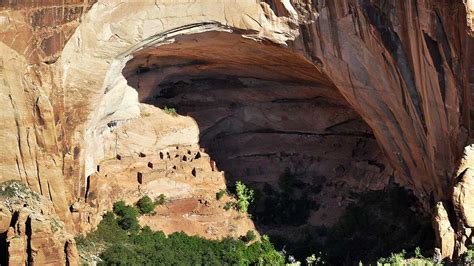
[(401, 66), (414, 105)]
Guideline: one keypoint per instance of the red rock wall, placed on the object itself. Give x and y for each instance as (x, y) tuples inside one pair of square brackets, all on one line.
[(39, 29), (402, 65)]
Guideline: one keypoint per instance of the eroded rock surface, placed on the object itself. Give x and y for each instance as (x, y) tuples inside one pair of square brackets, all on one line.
[(31, 232), (367, 77)]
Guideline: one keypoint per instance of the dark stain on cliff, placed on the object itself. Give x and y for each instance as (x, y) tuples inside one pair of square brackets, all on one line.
[(435, 54), (392, 42)]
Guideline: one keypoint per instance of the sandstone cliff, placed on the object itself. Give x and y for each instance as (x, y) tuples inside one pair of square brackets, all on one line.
[(31, 233), (397, 72)]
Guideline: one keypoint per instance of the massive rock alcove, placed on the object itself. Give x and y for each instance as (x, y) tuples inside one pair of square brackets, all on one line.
[(355, 76), (263, 110)]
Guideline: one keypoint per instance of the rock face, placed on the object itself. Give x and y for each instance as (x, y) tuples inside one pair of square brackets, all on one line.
[(445, 234), (39, 31), (347, 71), (462, 197), (31, 232), (419, 133)]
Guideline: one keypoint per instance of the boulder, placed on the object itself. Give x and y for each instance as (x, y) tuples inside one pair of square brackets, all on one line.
[(445, 235), (463, 197)]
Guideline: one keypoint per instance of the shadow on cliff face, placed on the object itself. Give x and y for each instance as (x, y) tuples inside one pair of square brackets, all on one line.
[(268, 118)]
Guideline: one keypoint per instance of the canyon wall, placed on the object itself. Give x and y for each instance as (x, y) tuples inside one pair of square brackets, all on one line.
[(402, 66)]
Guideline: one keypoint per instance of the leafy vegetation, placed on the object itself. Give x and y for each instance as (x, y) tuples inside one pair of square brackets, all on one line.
[(229, 205), (250, 236), (245, 196), (290, 205), (126, 216), (376, 225), (220, 194), (314, 260), (160, 200), (146, 205), (126, 245), (288, 182), (379, 223), (399, 259), (170, 111), (12, 188), (468, 256)]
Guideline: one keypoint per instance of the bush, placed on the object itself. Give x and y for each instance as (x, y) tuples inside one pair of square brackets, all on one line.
[(220, 194), (119, 254), (127, 216), (245, 196), (315, 260), (468, 256), (229, 205), (146, 205), (282, 208), (375, 225), (146, 247), (170, 111), (393, 259), (380, 223), (250, 236), (108, 230), (160, 200)]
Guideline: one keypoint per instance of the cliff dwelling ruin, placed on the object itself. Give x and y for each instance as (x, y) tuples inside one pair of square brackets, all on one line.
[(328, 111)]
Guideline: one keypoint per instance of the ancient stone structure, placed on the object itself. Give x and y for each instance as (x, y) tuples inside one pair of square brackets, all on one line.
[(359, 78)]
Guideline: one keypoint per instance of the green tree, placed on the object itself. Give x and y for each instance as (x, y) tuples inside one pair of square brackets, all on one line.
[(119, 254), (245, 196), (146, 247), (127, 216), (160, 200), (146, 205), (250, 236)]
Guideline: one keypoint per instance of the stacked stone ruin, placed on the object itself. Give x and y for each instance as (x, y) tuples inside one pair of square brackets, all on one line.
[(179, 163)]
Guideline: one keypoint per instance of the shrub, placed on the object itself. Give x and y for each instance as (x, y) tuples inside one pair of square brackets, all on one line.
[(119, 254), (229, 205), (468, 256), (250, 236), (170, 111), (12, 188), (146, 247), (160, 200), (146, 205), (394, 259), (245, 196), (281, 208), (127, 216), (286, 181), (119, 207), (108, 230), (418, 253), (316, 260), (375, 225), (220, 194), (380, 224)]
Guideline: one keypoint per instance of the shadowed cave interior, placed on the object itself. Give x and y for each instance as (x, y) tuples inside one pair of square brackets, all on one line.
[(269, 118)]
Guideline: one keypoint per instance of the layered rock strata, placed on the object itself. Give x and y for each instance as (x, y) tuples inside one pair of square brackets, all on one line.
[(31, 233), (402, 66)]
